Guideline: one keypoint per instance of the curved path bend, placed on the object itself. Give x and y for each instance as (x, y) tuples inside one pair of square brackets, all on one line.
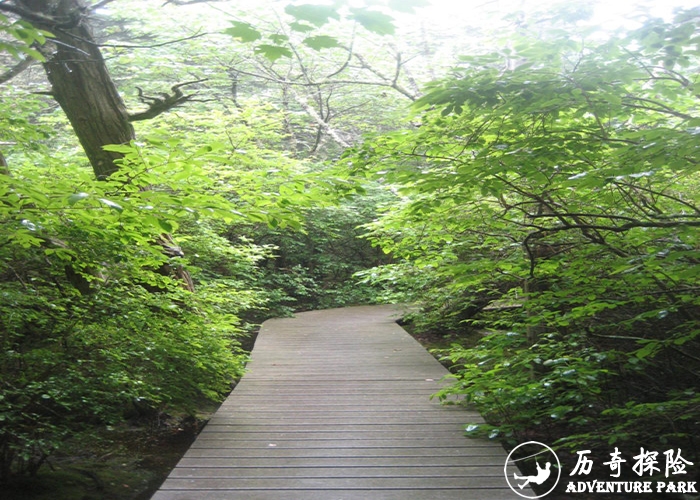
[(336, 406)]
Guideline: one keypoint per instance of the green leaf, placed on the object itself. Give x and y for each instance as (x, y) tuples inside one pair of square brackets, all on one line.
[(317, 15), (273, 52), (34, 54), (243, 32), (112, 205), (650, 348), (301, 27), (374, 21), (75, 198), (321, 42), (165, 225), (119, 148), (278, 39)]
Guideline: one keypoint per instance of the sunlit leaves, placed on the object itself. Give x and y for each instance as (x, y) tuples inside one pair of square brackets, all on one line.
[(556, 199), (279, 39), (75, 198), (301, 27), (309, 18), (321, 42), (671, 44), (273, 52), (92, 323), (243, 32), (26, 36), (318, 15), (374, 21), (111, 204)]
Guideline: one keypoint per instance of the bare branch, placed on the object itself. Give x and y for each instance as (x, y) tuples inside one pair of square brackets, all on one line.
[(350, 50), (651, 105), (16, 69), (99, 5), (163, 103), (276, 79), (152, 46), (40, 19), (131, 46), (318, 119), (387, 82), (653, 192)]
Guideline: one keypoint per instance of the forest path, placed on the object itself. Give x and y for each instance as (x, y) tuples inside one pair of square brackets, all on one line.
[(336, 405)]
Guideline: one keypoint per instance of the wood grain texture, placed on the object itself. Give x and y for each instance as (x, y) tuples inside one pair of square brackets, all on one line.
[(336, 405)]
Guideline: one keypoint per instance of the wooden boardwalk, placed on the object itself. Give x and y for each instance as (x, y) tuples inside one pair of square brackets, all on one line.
[(336, 405)]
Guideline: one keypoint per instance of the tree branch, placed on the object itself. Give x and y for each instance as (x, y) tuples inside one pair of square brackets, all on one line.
[(99, 5), (16, 69), (620, 229), (387, 82), (130, 46), (659, 193), (280, 81), (349, 50), (36, 18), (318, 119), (163, 103), (152, 46), (655, 106)]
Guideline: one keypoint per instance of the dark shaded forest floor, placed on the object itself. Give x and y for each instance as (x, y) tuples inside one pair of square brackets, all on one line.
[(125, 463)]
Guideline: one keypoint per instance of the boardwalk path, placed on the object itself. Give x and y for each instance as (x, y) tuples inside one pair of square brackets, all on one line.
[(336, 406)]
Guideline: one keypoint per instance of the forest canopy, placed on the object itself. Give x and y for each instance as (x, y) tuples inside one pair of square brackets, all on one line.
[(172, 173)]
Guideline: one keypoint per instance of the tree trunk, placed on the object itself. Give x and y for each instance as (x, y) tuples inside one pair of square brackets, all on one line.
[(80, 81), (83, 87)]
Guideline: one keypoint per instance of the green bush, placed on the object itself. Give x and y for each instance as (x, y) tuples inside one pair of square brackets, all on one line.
[(96, 324)]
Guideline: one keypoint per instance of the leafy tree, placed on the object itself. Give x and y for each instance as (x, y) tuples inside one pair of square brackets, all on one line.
[(94, 327), (321, 59), (556, 199), (80, 81)]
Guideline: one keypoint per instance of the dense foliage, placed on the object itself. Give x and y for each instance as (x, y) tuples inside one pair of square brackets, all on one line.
[(540, 202), (105, 316), (549, 202), (95, 323)]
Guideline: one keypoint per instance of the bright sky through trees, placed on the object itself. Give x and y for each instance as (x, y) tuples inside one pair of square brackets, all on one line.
[(608, 14)]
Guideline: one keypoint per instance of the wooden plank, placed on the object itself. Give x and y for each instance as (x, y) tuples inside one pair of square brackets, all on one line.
[(402, 461), (331, 452), (337, 483), (363, 427), (306, 442), (346, 472), (337, 405), (309, 434), (338, 420), (319, 494)]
